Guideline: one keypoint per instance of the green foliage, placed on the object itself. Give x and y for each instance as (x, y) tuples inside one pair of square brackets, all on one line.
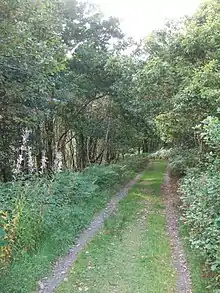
[(180, 78), (161, 154), (135, 162), (49, 214), (181, 159), (210, 133), (183, 63), (66, 80), (201, 202), (31, 53), (3, 242), (201, 205)]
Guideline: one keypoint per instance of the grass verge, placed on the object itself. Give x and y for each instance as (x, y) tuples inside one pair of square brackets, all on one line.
[(132, 252)]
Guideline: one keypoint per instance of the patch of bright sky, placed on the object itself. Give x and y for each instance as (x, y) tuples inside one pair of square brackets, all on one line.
[(139, 17)]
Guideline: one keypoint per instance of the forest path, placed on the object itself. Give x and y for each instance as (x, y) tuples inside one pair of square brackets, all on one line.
[(60, 269), (137, 249)]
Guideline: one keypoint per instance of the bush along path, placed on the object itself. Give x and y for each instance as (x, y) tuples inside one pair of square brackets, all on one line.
[(132, 251)]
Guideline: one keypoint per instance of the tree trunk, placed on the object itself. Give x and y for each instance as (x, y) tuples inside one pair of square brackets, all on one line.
[(145, 149), (49, 127)]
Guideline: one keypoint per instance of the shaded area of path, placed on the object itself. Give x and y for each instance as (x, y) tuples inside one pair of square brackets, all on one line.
[(60, 269), (169, 191)]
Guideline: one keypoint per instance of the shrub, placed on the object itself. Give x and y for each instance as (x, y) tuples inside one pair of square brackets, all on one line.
[(179, 159), (43, 208), (161, 154), (201, 213), (135, 163), (182, 159)]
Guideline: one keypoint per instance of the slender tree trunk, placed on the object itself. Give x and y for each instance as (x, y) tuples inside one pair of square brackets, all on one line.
[(145, 149), (8, 130), (81, 152), (39, 147), (106, 142), (49, 127)]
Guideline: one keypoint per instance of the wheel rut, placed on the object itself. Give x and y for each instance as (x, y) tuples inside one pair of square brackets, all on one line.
[(169, 192)]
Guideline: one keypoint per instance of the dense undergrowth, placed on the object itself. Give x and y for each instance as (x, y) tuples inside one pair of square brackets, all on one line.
[(200, 191), (201, 206), (200, 194), (40, 218)]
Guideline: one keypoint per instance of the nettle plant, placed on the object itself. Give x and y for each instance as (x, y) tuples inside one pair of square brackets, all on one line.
[(201, 202)]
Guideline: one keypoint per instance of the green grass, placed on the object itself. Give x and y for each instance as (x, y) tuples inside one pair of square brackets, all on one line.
[(199, 283), (23, 273), (132, 252)]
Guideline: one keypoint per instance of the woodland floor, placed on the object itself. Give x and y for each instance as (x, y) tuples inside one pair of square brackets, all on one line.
[(135, 250)]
